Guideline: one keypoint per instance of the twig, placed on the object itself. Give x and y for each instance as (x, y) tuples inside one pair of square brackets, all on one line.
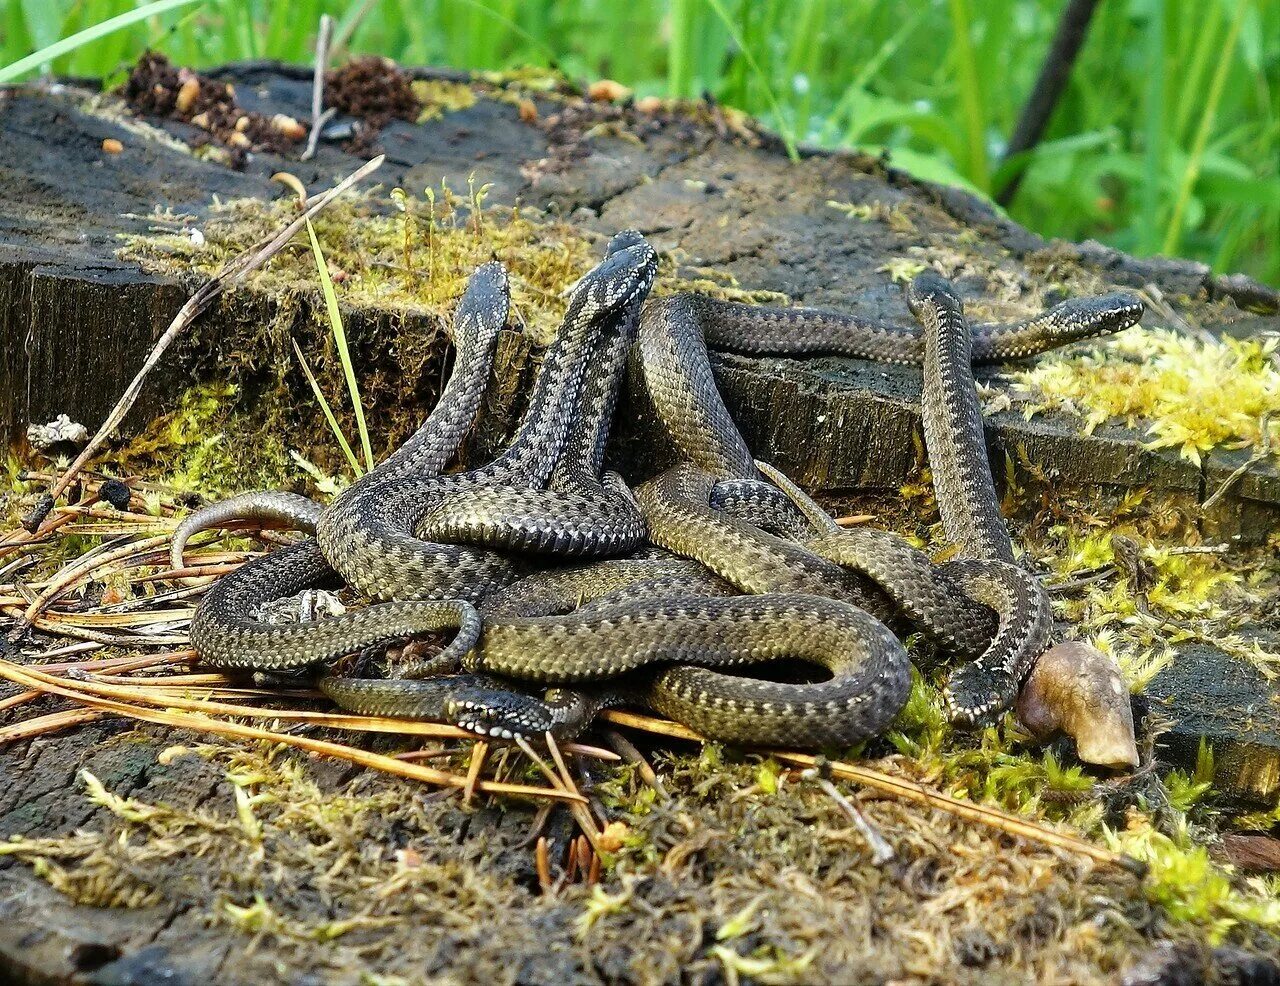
[(318, 115), (117, 665), (1264, 450), (80, 648), (578, 807), (22, 698), (51, 723), (20, 538), (177, 720), (1054, 73), (908, 791), (881, 851), (479, 752), (151, 696), (230, 274), (633, 756), (1154, 297)]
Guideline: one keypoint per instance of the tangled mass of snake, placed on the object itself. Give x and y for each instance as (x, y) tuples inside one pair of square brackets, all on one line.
[(717, 593)]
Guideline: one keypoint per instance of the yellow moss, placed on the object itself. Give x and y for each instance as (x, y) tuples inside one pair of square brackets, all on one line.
[(439, 97), (901, 269), (893, 216), (368, 247), (1194, 596), (1189, 394)]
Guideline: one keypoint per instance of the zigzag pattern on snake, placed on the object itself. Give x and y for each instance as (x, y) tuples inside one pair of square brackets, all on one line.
[(763, 574)]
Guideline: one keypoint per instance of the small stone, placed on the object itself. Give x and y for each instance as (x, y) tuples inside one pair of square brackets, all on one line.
[(337, 133), (288, 127), (607, 91), (187, 93), (238, 139), (112, 146), (201, 120), (649, 104), (528, 111)]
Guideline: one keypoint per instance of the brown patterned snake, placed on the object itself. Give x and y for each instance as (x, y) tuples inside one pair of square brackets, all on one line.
[(676, 634)]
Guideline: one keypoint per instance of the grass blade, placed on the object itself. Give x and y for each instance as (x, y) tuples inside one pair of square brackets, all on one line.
[(90, 34), (328, 411), (784, 126), (971, 95), (1173, 234), (340, 337)]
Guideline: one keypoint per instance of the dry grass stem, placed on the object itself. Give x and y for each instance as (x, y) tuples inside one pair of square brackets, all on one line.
[(234, 271), (51, 723), (908, 791), (225, 728)]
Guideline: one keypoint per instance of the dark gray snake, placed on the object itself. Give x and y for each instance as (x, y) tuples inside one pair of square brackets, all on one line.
[(657, 629)]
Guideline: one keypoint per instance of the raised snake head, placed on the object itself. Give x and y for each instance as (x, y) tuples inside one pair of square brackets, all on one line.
[(619, 281), (484, 305)]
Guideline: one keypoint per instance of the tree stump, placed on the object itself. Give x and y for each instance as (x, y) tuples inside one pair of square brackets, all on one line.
[(76, 321)]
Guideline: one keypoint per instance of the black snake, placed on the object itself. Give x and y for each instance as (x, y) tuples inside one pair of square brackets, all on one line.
[(740, 570)]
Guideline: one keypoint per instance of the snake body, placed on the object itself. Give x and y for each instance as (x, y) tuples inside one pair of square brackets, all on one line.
[(224, 629), (763, 575), (386, 544)]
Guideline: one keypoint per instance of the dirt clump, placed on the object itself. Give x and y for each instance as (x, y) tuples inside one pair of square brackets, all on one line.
[(156, 87)]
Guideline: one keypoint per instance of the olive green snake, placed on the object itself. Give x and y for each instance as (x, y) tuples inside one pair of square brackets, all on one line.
[(682, 595)]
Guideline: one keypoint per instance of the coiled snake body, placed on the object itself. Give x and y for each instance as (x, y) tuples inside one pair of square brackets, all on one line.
[(743, 571)]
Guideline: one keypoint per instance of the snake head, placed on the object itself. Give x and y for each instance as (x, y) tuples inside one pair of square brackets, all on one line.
[(930, 287), (623, 239), (976, 695), (1082, 318), (496, 713), (619, 281), (485, 302)]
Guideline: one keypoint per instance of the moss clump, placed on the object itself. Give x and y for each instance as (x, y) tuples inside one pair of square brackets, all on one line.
[(1190, 394), (410, 260), (439, 97), (413, 257), (745, 869), (1184, 594)]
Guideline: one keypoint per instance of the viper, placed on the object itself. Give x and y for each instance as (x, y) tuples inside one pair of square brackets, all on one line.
[(740, 568)]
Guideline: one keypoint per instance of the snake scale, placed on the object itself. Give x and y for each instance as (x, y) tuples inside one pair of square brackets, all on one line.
[(684, 594)]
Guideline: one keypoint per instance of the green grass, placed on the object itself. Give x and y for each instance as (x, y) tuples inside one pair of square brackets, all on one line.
[(1166, 139)]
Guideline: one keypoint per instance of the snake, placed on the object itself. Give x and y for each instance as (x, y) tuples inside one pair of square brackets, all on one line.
[(823, 595), (224, 629)]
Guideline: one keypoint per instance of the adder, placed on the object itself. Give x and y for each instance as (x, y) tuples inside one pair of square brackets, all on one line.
[(663, 610)]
